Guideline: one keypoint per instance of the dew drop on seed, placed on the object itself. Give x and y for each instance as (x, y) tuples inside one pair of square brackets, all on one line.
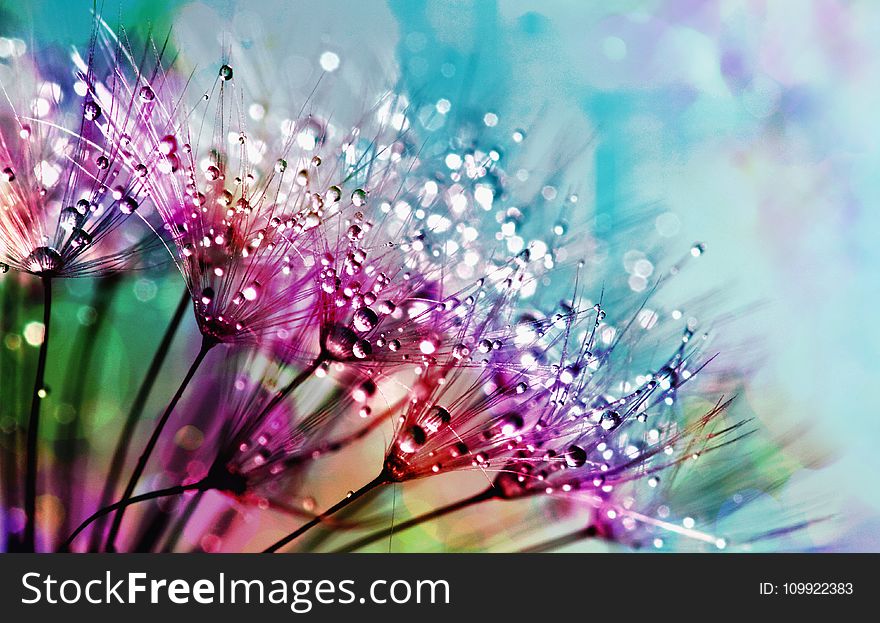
[(91, 111), (226, 72), (359, 197), (412, 439), (365, 319), (70, 219), (207, 295), (437, 418), (362, 349), (511, 424), (80, 238), (575, 456)]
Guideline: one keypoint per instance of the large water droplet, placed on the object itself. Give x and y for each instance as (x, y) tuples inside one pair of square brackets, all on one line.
[(359, 197), (511, 424), (80, 238), (412, 439), (575, 456), (365, 319), (362, 349), (437, 418), (147, 94), (339, 342), (91, 111), (70, 219)]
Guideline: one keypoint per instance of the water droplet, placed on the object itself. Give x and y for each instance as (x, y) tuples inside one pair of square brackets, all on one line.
[(128, 205), (698, 249), (147, 94), (460, 351), (359, 197), (362, 349), (334, 194), (80, 238), (70, 219), (437, 418), (412, 439), (610, 420), (103, 163), (212, 173), (575, 456), (9, 174), (91, 111), (207, 295), (4, 268), (251, 292), (339, 342), (280, 165), (312, 220), (365, 319), (168, 144), (511, 424), (226, 72)]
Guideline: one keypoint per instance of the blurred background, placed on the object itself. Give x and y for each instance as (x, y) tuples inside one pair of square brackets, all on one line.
[(750, 126)]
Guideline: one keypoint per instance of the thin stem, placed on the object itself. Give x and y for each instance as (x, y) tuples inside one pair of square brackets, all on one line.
[(285, 391), (30, 485), (482, 496), (182, 521), (134, 415), (152, 495), (10, 438), (381, 479), (207, 345), (561, 541)]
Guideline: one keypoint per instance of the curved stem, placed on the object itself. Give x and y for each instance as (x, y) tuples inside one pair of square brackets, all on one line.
[(152, 495), (285, 391), (180, 524), (482, 496), (381, 479), (30, 485), (207, 345), (561, 541), (120, 454)]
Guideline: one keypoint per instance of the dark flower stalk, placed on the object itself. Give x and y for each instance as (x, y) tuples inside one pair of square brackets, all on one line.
[(207, 345), (33, 429)]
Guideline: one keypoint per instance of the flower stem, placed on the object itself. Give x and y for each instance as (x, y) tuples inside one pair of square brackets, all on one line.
[(561, 541), (30, 486), (134, 415), (182, 521), (285, 391), (381, 479), (116, 506), (207, 345), (482, 496)]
